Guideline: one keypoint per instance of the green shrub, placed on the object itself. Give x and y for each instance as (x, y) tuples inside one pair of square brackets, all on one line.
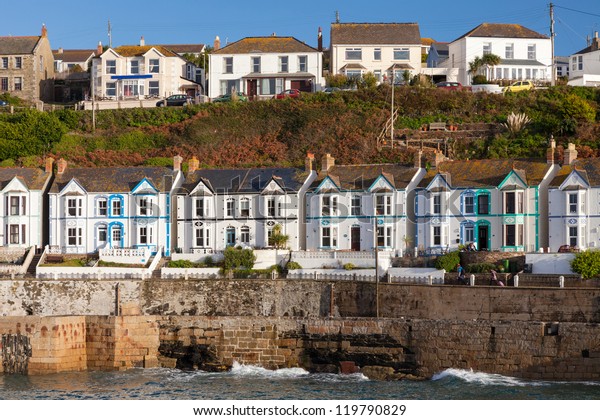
[(181, 264), (349, 266), (480, 79), (480, 267), (293, 265), (587, 263), (237, 258), (448, 262), (209, 261)]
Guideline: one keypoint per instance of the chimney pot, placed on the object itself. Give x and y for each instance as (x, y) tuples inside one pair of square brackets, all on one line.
[(99, 48), (177, 163), (217, 44), (44, 31), (142, 41), (309, 161)]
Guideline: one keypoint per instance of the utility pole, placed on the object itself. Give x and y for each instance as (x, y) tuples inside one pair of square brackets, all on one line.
[(392, 117), (552, 34), (109, 35)]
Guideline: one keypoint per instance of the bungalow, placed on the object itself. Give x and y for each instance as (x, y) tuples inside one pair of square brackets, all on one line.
[(348, 206), (217, 208), (498, 204), (22, 205), (95, 208)]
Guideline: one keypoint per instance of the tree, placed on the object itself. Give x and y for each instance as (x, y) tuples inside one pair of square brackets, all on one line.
[(278, 239), (475, 65), (489, 61)]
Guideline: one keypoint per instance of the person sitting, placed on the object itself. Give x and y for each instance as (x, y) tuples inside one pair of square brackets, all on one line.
[(494, 281), (471, 247)]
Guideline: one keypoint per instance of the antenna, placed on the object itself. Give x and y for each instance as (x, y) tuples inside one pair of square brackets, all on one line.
[(109, 35), (337, 16)]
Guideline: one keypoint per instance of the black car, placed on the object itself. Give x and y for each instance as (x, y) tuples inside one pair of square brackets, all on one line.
[(175, 100)]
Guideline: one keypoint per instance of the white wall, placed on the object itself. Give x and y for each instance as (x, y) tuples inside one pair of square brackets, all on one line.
[(338, 58), (550, 263)]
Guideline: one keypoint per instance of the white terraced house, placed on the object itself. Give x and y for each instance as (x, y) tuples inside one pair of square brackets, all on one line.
[(22, 205), (123, 207), (350, 207), (217, 208)]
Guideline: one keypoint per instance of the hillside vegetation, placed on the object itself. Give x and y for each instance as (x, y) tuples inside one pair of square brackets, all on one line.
[(280, 132)]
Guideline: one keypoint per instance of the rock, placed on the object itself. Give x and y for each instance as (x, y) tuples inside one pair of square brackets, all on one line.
[(379, 373)]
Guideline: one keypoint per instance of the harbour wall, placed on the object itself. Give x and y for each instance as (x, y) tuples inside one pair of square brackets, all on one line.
[(383, 348), (297, 298)]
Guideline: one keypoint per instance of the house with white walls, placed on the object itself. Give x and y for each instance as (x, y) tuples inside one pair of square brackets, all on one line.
[(115, 207), (524, 53), (140, 71), (218, 208), (263, 66), (352, 207), (496, 204), (384, 49), (22, 205), (574, 203), (585, 65)]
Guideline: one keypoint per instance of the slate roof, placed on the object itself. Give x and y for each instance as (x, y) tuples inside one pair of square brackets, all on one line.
[(244, 180), (73, 56), (138, 50), (266, 44), (487, 173), (442, 48), (502, 30), (589, 168), (117, 179), (11, 45), (375, 34), (33, 178), (520, 62), (361, 177)]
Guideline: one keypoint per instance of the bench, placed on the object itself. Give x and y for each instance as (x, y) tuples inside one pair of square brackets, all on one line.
[(54, 259), (437, 126)]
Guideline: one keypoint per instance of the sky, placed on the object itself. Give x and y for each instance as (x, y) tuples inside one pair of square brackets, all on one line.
[(81, 24)]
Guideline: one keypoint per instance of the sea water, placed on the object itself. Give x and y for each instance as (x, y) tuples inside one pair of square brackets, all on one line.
[(255, 383)]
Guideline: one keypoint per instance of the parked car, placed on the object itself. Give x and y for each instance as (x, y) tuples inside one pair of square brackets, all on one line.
[(449, 85), (175, 100), (489, 88), (290, 93), (3, 103), (520, 86), (227, 98), (331, 90)]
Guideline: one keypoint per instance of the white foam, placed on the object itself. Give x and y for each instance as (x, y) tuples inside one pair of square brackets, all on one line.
[(238, 369), (482, 378)]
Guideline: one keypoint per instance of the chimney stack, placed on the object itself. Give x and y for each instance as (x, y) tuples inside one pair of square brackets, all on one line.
[(309, 162), (61, 166), (177, 160), (217, 44), (60, 50), (551, 151), (142, 41), (327, 163), (193, 165), (438, 158), (49, 165), (320, 40), (570, 154), (44, 31), (99, 49), (596, 42)]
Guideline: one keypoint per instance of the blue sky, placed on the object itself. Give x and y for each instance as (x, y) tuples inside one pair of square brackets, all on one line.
[(81, 24)]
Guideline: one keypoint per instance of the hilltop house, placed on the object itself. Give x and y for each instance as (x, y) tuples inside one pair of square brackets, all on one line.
[(524, 54), (498, 204), (585, 65), (71, 67), (27, 67), (346, 202), (217, 208), (379, 48), (264, 66), (139, 71), (95, 208), (22, 205), (573, 204)]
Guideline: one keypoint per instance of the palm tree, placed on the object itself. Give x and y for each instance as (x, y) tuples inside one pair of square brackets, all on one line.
[(475, 65), (490, 61)]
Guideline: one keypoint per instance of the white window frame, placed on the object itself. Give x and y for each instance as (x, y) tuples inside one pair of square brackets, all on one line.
[(531, 52), (284, 64), (255, 63), (228, 65), (154, 65), (353, 54), (572, 205), (401, 54), (244, 207), (376, 54), (111, 67), (509, 51), (303, 63)]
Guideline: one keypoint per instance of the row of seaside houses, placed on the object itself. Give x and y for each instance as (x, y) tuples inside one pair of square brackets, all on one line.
[(262, 66), (500, 204)]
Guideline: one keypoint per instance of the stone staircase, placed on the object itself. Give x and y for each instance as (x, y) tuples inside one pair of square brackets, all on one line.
[(156, 273), (33, 265)]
